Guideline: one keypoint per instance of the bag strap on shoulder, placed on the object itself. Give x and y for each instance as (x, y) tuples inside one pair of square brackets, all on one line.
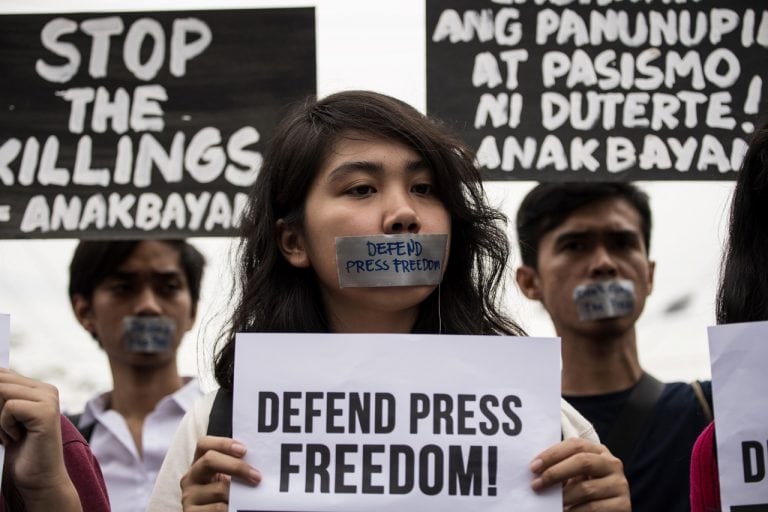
[(633, 417), (705, 403), (220, 417)]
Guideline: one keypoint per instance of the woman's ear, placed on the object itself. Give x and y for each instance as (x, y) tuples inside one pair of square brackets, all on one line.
[(292, 245)]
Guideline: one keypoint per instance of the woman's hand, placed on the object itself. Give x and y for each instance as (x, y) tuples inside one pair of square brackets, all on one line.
[(205, 487), (30, 430), (593, 479)]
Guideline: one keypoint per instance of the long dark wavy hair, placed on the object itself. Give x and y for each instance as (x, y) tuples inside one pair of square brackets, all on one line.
[(743, 292), (274, 296)]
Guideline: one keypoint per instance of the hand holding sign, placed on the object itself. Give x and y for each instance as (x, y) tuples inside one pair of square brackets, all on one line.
[(217, 460), (30, 431), (589, 474), (738, 352)]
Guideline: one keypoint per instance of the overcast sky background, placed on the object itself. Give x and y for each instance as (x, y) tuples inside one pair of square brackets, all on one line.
[(379, 46)]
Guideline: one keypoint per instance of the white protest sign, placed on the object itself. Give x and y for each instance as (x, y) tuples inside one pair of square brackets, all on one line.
[(739, 380), (5, 341), (382, 422)]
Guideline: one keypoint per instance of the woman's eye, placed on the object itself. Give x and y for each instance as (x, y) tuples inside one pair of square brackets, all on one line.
[(423, 188), (361, 190)]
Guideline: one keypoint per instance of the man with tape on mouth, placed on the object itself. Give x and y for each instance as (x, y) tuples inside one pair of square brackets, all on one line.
[(137, 299), (585, 254)]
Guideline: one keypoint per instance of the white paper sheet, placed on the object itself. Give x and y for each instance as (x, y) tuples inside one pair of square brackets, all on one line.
[(739, 353), (289, 384)]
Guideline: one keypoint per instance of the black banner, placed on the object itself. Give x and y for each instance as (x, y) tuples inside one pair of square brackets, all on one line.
[(115, 125), (559, 90)]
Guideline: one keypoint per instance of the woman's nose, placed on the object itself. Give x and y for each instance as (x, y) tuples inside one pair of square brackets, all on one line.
[(401, 216)]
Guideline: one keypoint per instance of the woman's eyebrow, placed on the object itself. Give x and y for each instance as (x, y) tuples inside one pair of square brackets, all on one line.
[(418, 165), (347, 168), (369, 167)]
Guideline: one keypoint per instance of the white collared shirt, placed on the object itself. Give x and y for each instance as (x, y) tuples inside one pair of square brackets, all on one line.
[(129, 476)]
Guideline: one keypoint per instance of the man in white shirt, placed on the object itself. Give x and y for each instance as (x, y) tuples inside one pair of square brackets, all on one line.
[(137, 299)]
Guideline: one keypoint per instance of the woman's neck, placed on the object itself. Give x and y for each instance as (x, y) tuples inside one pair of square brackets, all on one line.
[(373, 321)]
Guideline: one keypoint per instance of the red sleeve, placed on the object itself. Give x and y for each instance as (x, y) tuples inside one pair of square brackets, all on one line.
[(705, 484), (83, 469)]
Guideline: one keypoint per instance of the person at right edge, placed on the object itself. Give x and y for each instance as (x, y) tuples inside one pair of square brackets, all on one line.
[(742, 294), (585, 254)]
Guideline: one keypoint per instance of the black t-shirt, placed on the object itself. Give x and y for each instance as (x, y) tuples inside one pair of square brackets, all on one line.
[(659, 467)]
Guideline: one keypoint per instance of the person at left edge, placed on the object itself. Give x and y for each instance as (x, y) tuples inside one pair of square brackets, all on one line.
[(48, 466), (119, 290)]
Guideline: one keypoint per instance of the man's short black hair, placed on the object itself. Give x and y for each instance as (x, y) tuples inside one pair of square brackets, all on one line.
[(548, 205), (95, 260)]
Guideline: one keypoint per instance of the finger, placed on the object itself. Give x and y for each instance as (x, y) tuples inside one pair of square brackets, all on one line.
[(215, 492), (219, 455), (11, 428), (617, 504), (11, 377), (562, 451), (578, 492), (5, 439), (25, 391), (208, 507), (36, 416), (225, 445), (581, 466)]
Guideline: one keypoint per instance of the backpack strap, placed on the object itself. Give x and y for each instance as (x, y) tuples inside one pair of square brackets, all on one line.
[(634, 415), (86, 431), (220, 417), (704, 401)]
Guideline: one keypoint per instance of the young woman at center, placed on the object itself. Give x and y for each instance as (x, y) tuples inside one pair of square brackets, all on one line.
[(361, 163)]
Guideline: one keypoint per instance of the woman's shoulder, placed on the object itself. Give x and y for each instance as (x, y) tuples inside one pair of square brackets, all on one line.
[(203, 404), (195, 421), (574, 424)]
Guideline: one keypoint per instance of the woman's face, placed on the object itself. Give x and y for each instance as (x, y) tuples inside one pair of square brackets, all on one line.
[(367, 186)]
